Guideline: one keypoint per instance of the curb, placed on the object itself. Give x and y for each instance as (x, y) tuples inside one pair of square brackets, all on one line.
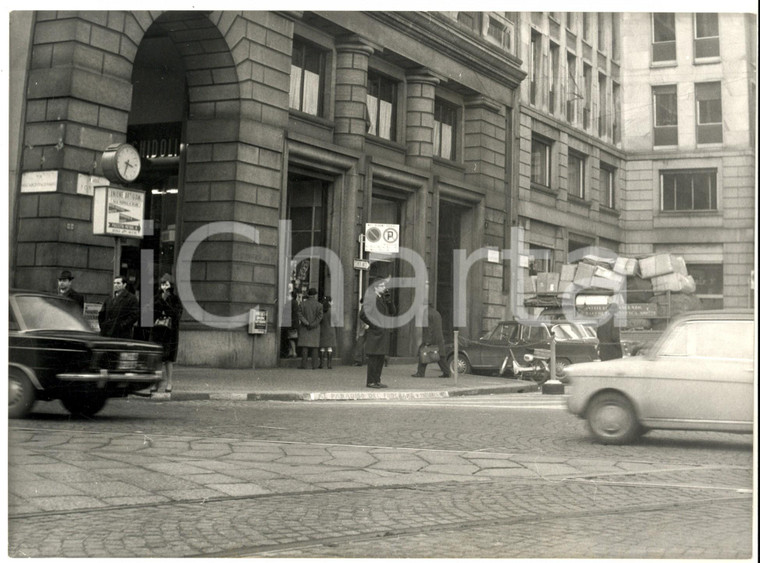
[(290, 396)]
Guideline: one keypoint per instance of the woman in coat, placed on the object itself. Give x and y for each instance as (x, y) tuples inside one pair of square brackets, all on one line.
[(327, 339), (167, 310), (377, 307)]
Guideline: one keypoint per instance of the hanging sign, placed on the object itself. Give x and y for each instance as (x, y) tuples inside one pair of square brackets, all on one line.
[(118, 212), (381, 237)]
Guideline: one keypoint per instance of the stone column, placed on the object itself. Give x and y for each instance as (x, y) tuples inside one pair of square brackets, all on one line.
[(351, 117), (420, 108)]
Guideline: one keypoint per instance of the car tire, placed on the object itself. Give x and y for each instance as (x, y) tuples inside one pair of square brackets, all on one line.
[(612, 419), (84, 404), (463, 366), (21, 395)]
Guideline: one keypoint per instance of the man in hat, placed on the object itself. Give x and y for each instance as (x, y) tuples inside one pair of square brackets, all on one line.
[(375, 312), (65, 289), (119, 312), (310, 319)]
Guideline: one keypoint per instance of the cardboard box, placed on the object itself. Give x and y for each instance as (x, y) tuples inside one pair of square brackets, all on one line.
[(583, 274), (564, 285), (595, 260), (568, 272), (657, 265), (626, 266), (673, 282), (607, 279), (529, 282), (679, 265), (547, 283)]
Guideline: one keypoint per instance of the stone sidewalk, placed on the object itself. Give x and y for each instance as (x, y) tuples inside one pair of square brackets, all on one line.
[(340, 383)]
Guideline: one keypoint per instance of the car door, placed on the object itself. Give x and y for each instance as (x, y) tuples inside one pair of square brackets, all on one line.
[(702, 376), (495, 346)]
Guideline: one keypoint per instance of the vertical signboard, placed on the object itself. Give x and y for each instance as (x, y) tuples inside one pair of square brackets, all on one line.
[(118, 212)]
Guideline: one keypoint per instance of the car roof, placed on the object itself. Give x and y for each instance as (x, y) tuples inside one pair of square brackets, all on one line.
[(713, 314)]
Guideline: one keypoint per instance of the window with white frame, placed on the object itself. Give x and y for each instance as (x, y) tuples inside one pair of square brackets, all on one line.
[(445, 130), (706, 38), (663, 37), (576, 174), (381, 105), (689, 190), (709, 112), (607, 185), (540, 161), (307, 73), (665, 115)]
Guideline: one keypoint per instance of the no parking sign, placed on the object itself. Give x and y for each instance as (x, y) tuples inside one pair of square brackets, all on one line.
[(381, 237)]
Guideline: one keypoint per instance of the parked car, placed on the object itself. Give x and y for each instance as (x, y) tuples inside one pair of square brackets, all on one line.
[(574, 343), (53, 353), (697, 376)]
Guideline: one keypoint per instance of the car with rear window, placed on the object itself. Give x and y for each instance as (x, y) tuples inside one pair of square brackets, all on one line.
[(574, 343), (54, 354), (699, 375)]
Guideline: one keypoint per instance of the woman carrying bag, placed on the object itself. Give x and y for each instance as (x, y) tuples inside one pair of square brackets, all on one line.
[(167, 310)]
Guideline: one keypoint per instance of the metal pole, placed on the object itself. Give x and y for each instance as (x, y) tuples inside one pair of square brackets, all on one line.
[(456, 356), (553, 386)]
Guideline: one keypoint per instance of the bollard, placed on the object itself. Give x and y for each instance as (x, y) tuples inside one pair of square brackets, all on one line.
[(456, 356), (553, 386)]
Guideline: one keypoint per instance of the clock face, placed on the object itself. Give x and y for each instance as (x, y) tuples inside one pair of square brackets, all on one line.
[(127, 162)]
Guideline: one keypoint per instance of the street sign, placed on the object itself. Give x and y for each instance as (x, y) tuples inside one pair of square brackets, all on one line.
[(382, 238), (257, 321), (361, 264)]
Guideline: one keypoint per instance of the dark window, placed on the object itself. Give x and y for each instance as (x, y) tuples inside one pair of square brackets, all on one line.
[(709, 112), (570, 21), (587, 78), (601, 32), (445, 130), (616, 114), (615, 36), (576, 174), (553, 76), (709, 281), (706, 39), (607, 186), (665, 115), (307, 78), (535, 67), (587, 27), (689, 190), (663, 37), (540, 162), (573, 91), (540, 259), (381, 105), (603, 117)]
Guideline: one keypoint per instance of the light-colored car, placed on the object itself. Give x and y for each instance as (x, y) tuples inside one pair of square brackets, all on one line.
[(698, 376)]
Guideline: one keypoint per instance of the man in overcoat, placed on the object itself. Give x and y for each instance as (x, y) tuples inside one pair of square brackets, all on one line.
[(309, 320), (65, 289), (376, 312), (119, 312), (432, 333), (608, 334)]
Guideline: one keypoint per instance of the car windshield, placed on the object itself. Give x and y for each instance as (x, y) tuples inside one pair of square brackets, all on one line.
[(568, 332), (39, 312)]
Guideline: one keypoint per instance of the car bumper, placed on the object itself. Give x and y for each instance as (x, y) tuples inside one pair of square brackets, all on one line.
[(104, 376)]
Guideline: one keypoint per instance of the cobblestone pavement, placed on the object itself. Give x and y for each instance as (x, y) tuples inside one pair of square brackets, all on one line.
[(99, 493)]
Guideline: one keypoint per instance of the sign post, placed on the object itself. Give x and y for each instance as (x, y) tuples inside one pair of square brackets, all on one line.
[(118, 212)]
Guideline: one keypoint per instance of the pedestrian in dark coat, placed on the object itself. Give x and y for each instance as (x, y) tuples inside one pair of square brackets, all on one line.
[(120, 312), (432, 334), (377, 307), (167, 310), (310, 318), (609, 336), (328, 341), (65, 289)]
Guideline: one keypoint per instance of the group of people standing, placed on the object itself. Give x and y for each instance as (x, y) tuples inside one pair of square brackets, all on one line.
[(119, 317), (313, 331)]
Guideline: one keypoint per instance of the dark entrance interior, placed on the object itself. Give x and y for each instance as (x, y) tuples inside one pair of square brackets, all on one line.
[(449, 239)]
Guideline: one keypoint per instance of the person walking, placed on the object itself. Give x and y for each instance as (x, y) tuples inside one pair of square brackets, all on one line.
[(328, 341), (432, 334), (65, 289), (167, 310), (609, 336), (310, 318), (120, 311), (378, 306)]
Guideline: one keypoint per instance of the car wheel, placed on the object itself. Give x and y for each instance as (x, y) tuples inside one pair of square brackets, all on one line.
[(612, 419), (462, 366), (84, 404), (560, 366), (21, 394)]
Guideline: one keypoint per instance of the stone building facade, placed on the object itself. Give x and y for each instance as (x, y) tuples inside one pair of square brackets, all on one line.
[(303, 125)]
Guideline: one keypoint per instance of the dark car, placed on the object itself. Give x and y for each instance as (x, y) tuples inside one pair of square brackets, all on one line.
[(574, 343), (53, 353)]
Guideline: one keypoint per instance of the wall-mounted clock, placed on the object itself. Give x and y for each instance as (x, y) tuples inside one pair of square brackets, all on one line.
[(121, 163)]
